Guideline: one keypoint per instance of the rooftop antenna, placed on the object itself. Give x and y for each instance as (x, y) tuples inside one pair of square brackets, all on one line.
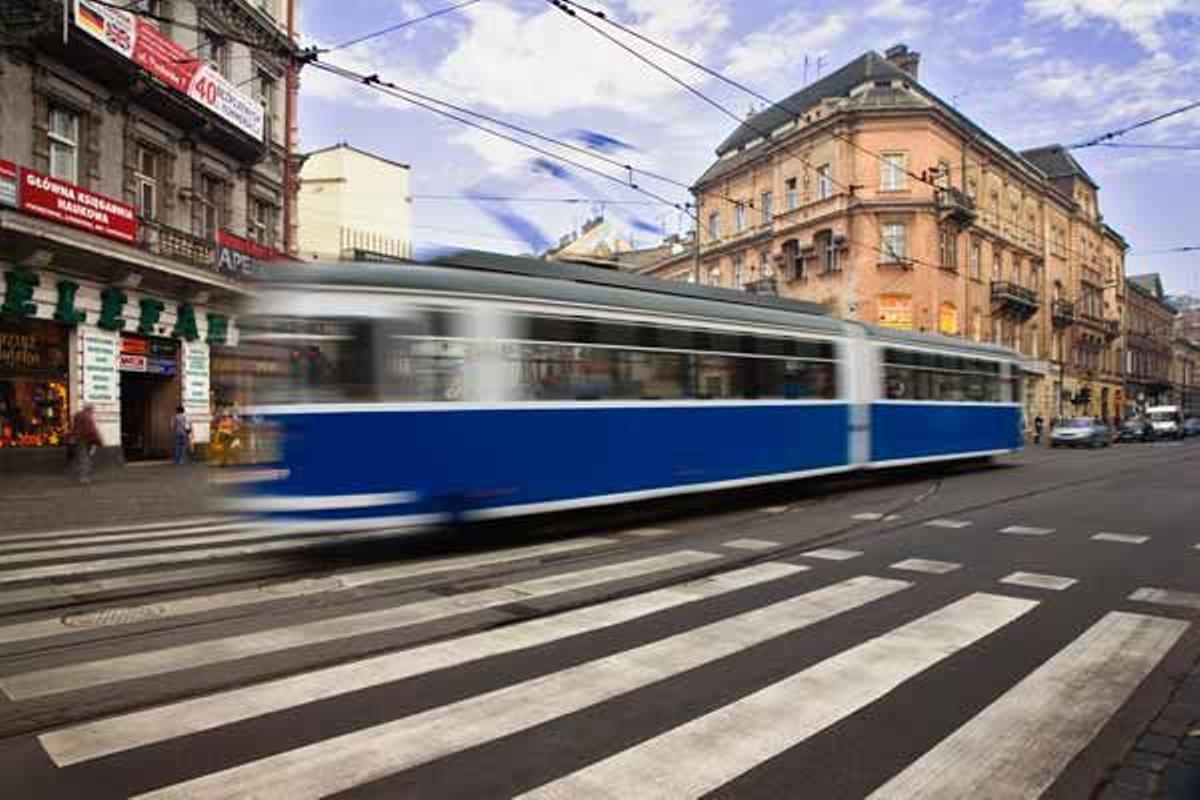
[(820, 65), (805, 81)]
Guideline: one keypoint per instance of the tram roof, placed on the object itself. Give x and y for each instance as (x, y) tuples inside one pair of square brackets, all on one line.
[(915, 339), (475, 272)]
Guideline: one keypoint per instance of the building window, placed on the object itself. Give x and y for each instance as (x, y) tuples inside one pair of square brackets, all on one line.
[(63, 133), (972, 188), (948, 247), (995, 206), (824, 182), (147, 176), (891, 175), (764, 265), (265, 93), (893, 242), (793, 200), (943, 173), (738, 263), (1035, 276), (262, 223), (212, 206), (714, 276), (895, 311), (976, 260), (214, 49), (997, 264), (828, 249), (768, 208), (948, 319), (739, 217), (714, 226), (977, 325)]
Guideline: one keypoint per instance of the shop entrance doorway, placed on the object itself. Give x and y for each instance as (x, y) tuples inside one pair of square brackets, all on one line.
[(150, 392)]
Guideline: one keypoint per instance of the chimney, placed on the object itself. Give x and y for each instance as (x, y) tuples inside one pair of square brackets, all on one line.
[(901, 57)]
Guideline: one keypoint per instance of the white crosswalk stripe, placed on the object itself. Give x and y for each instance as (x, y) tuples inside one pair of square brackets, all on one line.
[(307, 586), (1016, 747), (1025, 530), (1034, 580), (36, 547), (1066, 701), (832, 554), (751, 544), (93, 566), (214, 651), (340, 763), (788, 712), (952, 524), (161, 525), (107, 736), (1120, 538)]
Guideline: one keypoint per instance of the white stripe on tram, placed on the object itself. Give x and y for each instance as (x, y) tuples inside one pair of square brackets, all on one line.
[(1017, 746), (137, 729), (206, 554), (302, 587), (714, 749), (343, 762), (55, 680)]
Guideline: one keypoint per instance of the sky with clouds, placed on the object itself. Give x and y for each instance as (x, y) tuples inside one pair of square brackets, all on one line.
[(1031, 72)]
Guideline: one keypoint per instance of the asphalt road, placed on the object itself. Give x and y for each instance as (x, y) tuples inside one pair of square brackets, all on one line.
[(983, 632)]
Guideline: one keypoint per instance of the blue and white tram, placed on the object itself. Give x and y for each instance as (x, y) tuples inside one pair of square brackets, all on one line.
[(485, 386)]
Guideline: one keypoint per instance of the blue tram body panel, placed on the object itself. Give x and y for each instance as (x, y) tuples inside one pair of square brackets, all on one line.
[(475, 460), (901, 431)]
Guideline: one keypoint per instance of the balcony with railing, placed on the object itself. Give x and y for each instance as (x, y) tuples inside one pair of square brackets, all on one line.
[(176, 244), (762, 286), (955, 205), (1112, 328), (1014, 299), (1063, 312)]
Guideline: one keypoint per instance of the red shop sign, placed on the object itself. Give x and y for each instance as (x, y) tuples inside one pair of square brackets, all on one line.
[(72, 205)]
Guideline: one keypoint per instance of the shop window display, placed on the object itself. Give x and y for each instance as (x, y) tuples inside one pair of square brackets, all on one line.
[(34, 393)]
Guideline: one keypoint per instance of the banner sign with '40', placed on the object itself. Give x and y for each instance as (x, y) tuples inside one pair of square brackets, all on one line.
[(141, 42)]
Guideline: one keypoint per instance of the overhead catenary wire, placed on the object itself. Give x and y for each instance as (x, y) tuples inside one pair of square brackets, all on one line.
[(374, 82), (396, 27), (570, 6), (1105, 137)]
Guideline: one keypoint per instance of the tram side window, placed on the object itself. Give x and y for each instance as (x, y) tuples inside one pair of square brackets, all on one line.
[(911, 375), (576, 359), (421, 358), (305, 360)]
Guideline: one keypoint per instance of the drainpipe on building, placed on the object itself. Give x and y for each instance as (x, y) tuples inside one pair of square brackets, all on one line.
[(696, 247), (289, 122)]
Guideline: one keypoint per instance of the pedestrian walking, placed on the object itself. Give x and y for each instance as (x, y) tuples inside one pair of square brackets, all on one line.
[(1038, 425), (86, 437), (181, 433)]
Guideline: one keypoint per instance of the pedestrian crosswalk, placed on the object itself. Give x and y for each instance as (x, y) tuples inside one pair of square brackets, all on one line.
[(643, 629)]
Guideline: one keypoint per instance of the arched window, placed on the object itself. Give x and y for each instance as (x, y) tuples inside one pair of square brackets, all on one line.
[(948, 319)]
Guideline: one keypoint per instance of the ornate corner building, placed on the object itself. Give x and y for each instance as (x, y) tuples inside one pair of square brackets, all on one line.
[(867, 193), (145, 163)]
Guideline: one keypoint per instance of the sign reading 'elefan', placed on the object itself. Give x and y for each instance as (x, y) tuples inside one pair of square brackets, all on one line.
[(139, 41)]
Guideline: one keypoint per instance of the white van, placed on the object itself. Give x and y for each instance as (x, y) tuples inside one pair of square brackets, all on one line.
[(1165, 422)]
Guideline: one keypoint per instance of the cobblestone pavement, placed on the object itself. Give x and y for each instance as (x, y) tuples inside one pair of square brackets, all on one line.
[(118, 495), (1165, 761)]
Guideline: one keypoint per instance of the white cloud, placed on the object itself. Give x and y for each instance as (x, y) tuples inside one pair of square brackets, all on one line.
[(544, 63), (1017, 49), (1141, 19), (902, 11), (798, 33)]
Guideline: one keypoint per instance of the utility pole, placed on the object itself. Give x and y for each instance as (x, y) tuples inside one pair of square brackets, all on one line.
[(696, 238)]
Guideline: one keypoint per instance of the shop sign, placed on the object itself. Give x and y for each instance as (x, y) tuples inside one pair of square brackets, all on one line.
[(10, 179), (239, 257), (99, 369), (196, 375), (33, 347), (73, 205), (132, 363), (138, 40), (161, 366)]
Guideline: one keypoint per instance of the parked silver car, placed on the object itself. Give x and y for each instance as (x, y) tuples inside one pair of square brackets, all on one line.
[(1080, 432)]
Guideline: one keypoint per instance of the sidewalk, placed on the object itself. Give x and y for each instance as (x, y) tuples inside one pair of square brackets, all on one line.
[(118, 495)]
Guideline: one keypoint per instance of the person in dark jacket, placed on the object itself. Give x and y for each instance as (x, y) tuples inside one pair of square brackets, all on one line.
[(86, 436)]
